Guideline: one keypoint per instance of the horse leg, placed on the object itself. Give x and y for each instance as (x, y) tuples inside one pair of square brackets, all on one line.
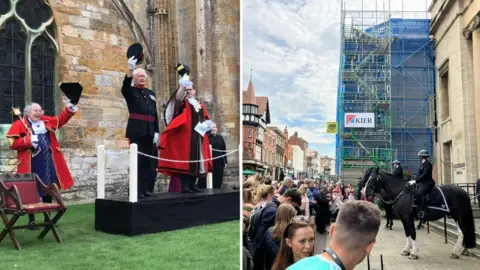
[(408, 242), (420, 224), (392, 215), (458, 245), (387, 214), (413, 234)]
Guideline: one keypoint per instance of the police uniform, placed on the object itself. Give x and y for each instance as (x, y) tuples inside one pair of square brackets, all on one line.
[(141, 128), (424, 178), (399, 170)]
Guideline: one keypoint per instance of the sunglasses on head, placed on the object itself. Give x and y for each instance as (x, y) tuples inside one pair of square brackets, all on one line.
[(302, 219)]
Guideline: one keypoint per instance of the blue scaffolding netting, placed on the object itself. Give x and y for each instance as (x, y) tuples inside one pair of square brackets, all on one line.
[(387, 69)]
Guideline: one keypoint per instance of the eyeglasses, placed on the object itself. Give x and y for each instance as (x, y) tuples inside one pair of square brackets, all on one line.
[(302, 219)]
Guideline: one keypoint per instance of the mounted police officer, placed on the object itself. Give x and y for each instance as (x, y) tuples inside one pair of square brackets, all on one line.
[(397, 169), (424, 180)]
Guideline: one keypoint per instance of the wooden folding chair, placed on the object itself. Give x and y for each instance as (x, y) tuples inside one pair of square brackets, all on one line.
[(19, 196)]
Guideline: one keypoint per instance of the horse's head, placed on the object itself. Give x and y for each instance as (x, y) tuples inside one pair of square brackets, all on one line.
[(373, 185), (365, 177)]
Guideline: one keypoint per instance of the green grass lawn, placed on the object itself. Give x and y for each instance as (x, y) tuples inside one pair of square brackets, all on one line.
[(207, 247)]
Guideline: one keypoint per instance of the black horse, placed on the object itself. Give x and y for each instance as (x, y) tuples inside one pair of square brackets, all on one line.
[(443, 200), (388, 207), (385, 201)]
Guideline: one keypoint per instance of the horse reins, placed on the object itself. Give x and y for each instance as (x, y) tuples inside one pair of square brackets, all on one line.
[(392, 201)]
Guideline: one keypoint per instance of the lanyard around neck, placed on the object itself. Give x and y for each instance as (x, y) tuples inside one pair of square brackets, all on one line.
[(335, 257)]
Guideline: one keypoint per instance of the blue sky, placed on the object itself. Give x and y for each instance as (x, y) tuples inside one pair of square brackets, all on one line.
[(293, 47)]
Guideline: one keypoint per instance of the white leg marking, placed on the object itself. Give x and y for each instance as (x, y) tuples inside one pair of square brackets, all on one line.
[(408, 244), (415, 247), (458, 244)]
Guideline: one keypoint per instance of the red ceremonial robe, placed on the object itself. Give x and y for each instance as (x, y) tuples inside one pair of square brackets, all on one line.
[(19, 139), (175, 143)]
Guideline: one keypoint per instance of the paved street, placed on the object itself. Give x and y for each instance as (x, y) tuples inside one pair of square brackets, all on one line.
[(434, 254)]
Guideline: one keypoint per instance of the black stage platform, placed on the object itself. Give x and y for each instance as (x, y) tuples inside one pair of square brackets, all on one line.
[(166, 212)]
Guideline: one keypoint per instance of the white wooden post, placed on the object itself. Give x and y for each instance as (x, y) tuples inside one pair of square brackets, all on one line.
[(101, 172), (209, 175), (133, 172)]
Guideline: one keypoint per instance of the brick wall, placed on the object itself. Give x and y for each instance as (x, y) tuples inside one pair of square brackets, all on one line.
[(93, 37), (270, 147)]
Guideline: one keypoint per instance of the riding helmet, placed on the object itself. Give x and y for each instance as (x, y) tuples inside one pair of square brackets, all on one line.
[(396, 162), (423, 153)]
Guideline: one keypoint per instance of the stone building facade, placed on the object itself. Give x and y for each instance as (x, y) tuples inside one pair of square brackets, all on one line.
[(279, 153), (303, 144), (86, 41), (454, 27)]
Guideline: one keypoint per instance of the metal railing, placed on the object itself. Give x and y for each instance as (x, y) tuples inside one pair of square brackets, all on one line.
[(445, 235), (381, 262), (471, 189)]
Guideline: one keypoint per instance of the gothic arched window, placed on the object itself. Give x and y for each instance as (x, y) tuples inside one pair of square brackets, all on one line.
[(27, 56)]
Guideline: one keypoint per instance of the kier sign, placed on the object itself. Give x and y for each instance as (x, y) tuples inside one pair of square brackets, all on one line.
[(359, 120)]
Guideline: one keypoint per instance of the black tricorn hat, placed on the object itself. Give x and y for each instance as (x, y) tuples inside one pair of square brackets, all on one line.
[(73, 91), (136, 50), (182, 69)]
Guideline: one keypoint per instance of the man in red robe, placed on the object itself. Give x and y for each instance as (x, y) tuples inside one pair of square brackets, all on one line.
[(38, 151), (181, 142)]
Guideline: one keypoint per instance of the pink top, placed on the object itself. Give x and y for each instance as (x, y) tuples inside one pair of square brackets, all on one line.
[(305, 205)]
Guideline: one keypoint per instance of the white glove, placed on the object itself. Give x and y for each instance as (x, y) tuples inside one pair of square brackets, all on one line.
[(185, 81), (132, 63), (155, 138), (72, 108), (209, 124), (411, 182), (34, 139)]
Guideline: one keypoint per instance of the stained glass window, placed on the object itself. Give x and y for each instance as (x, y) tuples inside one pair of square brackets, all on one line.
[(12, 69), (43, 75), (34, 12), (4, 6), (16, 59)]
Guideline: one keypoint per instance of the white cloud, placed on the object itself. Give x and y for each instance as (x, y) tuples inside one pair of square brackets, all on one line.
[(313, 134), (293, 48)]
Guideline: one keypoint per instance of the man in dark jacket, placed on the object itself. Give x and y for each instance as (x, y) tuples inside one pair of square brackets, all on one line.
[(397, 169), (267, 220), (322, 210), (142, 125), (424, 180)]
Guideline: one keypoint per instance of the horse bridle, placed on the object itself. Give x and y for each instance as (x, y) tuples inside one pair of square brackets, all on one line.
[(390, 202)]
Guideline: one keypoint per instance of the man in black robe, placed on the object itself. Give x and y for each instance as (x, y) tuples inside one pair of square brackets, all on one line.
[(218, 149)]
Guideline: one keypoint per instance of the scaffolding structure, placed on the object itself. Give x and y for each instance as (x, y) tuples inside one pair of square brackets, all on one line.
[(386, 68)]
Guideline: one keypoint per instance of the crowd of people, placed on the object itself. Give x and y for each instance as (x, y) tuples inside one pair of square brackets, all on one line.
[(280, 219)]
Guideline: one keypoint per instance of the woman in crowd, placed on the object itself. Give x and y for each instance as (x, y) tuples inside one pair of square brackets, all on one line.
[(349, 190), (335, 203), (249, 184), (273, 236), (298, 242), (248, 198), (305, 207), (263, 194), (339, 190)]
